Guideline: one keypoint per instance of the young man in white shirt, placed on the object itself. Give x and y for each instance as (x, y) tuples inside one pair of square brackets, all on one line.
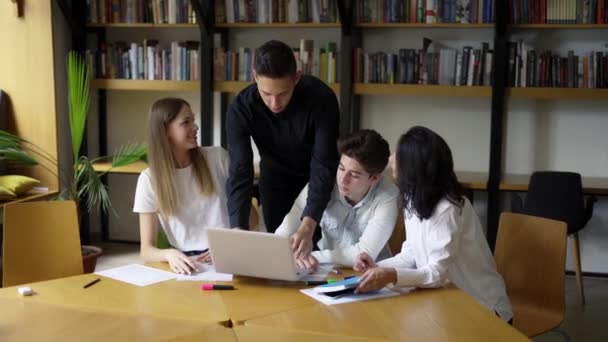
[(363, 208)]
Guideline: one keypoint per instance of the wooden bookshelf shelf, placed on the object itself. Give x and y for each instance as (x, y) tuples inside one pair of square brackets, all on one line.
[(146, 85), (518, 182), (559, 93), (30, 196), (420, 25), (236, 86), (135, 168), (278, 25), (421, 90), (473, 180), (559, 26), (141, 25)]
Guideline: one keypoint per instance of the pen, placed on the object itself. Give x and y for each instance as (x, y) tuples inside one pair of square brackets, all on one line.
[(335, 271), (318, 282), (92, 283), (209, 287)]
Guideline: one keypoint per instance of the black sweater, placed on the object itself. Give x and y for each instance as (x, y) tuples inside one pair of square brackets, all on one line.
[(299, 142)]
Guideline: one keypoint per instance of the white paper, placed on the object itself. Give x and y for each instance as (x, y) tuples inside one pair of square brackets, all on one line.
[(206, 273), (350, 298), (320, 274), (136, 274)]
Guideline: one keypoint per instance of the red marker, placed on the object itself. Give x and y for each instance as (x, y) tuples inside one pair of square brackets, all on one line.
[(209, 287)]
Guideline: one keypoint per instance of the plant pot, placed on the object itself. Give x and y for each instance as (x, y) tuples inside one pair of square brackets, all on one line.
[(89, 257)]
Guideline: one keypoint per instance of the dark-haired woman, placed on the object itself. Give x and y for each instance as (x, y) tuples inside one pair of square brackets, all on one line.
[(445, 242)]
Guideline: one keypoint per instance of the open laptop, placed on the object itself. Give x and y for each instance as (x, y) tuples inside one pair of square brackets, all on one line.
[(254, 254)]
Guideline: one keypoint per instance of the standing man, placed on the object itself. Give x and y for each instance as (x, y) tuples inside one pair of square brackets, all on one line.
[(293, 120)]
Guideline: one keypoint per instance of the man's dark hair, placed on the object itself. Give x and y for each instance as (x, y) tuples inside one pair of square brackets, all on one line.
[(426, 171), (368, 148), (275, 60)]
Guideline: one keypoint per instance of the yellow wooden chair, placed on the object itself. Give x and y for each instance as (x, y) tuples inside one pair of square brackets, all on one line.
[(41, 242), (530, 255)]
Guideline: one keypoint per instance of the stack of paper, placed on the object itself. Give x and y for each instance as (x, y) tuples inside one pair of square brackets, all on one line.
[(139, 275)]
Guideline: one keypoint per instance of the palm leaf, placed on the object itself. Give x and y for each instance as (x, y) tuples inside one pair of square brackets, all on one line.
[(129, 154), (78, 93), (17, 155), (6, 136), (90, 187)]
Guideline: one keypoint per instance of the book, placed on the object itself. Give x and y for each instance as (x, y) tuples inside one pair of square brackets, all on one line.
[(338, 287)]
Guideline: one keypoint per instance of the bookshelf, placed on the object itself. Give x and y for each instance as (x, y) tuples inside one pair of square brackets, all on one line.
[(234, 87), (229, 29), (145, 85), (135, 168), (352, 92), (559, 93), (153, 27), (468, 34), (420, 90), (424, 26), (141, 25), (558, 26), (276, 25)]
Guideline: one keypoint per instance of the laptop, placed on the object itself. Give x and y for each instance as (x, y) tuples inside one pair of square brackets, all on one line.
[(254, 254)]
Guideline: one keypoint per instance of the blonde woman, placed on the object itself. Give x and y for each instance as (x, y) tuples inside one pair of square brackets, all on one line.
[(183, 188)]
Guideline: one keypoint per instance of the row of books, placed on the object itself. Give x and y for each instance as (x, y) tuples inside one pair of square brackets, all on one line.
[(531, 68), (426, 11), (557, 11), (467, 67), (148, 61), (140, 11), (237, 65), (276, 11)]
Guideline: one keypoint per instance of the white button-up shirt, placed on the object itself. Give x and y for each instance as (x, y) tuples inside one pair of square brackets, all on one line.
[(348, 230), (450, 247)]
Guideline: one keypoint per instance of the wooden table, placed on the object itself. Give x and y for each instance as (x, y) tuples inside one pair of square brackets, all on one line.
[(257, 310), (422, 315), (170, 299), (28, 320)]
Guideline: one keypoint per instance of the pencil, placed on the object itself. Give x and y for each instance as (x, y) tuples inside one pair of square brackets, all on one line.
[(92, 283)]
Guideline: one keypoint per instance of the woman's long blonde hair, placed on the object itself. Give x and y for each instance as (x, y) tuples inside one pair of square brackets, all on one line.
[(162, 162)]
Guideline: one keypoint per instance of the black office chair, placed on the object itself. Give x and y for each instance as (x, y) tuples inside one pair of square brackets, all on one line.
[(559, 196)]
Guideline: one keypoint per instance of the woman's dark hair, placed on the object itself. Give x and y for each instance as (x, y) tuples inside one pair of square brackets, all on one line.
[(368, 148), (426, 171), (274, 59)]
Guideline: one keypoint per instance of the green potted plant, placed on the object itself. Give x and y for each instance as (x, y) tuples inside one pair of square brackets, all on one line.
[(84, 186)]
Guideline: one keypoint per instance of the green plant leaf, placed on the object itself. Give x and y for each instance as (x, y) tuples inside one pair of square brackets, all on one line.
[(78, 95), (6, 136), (129, 154), (90, 187), (18, 156)]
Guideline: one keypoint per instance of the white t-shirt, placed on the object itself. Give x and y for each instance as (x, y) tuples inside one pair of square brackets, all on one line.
[(196, 212), (450, 247)]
